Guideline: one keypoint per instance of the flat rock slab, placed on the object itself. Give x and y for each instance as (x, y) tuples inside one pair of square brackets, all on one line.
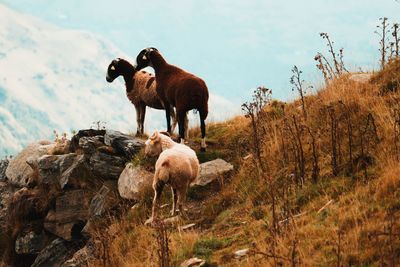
[(193, 262), (241, 253), (18, 171), (134, 181), (106, 198), (212, 170)]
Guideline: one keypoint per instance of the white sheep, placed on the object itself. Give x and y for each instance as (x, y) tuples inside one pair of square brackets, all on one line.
[(177, 165)]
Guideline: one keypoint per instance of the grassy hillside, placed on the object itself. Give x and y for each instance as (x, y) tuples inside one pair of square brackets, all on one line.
[(319, 187)]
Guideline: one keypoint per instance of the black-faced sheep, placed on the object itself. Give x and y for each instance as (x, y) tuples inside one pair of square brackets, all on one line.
[(140, 90), (180, 89), (177, 165)]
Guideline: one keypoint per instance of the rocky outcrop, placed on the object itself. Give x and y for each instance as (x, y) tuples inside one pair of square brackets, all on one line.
[(62, 194), (19, 172), (64, 197)]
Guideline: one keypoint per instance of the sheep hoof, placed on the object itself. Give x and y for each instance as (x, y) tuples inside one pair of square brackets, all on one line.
[(202, 149)]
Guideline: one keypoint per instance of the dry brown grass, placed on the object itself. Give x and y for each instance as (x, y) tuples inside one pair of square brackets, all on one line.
[(359, 227), (389, 180)]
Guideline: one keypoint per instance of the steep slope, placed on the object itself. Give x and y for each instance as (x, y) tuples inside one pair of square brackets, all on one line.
[(283, 215)]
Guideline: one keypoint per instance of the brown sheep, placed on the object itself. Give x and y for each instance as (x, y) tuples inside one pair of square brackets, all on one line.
[(178, 88), (140, 90)]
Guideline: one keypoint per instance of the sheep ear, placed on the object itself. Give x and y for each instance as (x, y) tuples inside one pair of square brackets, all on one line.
[(154, 136)]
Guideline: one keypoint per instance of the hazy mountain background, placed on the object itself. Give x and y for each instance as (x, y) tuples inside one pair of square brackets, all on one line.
[(54, 79)]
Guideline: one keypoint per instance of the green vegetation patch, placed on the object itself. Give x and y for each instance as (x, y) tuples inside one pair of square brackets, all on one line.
[(205, 247)]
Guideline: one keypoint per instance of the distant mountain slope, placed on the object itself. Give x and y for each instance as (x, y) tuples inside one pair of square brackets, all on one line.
[(51, 78), (54, 78)]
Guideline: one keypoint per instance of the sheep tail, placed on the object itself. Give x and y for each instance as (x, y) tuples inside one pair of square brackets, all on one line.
[(163, 172)]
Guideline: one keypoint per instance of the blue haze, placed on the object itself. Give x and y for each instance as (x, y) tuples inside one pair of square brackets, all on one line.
[(234, 45)]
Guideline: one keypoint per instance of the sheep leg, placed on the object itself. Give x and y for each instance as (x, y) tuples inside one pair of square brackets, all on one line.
[(142, 116), (203, 132), (181, 124), (168, 116), (181, 200), (158, 187), (174, 200), (186, 123), (138, 110), (174, 120), (203, 135)]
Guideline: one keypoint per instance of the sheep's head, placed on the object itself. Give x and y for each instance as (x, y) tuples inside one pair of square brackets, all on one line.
[(143, 58), (113, 70), (153, 145)]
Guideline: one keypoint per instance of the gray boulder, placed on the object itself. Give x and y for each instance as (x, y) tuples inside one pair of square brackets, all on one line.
[(134, 181), (212, 170), (65, 170), (19, 172), (105, 166)]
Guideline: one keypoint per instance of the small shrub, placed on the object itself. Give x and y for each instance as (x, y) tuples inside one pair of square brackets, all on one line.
[(257, 213)]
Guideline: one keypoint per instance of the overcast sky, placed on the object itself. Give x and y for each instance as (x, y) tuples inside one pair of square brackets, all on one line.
[(234, 46)]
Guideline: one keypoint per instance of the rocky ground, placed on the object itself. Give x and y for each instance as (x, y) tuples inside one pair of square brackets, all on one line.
[(55, 195)]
